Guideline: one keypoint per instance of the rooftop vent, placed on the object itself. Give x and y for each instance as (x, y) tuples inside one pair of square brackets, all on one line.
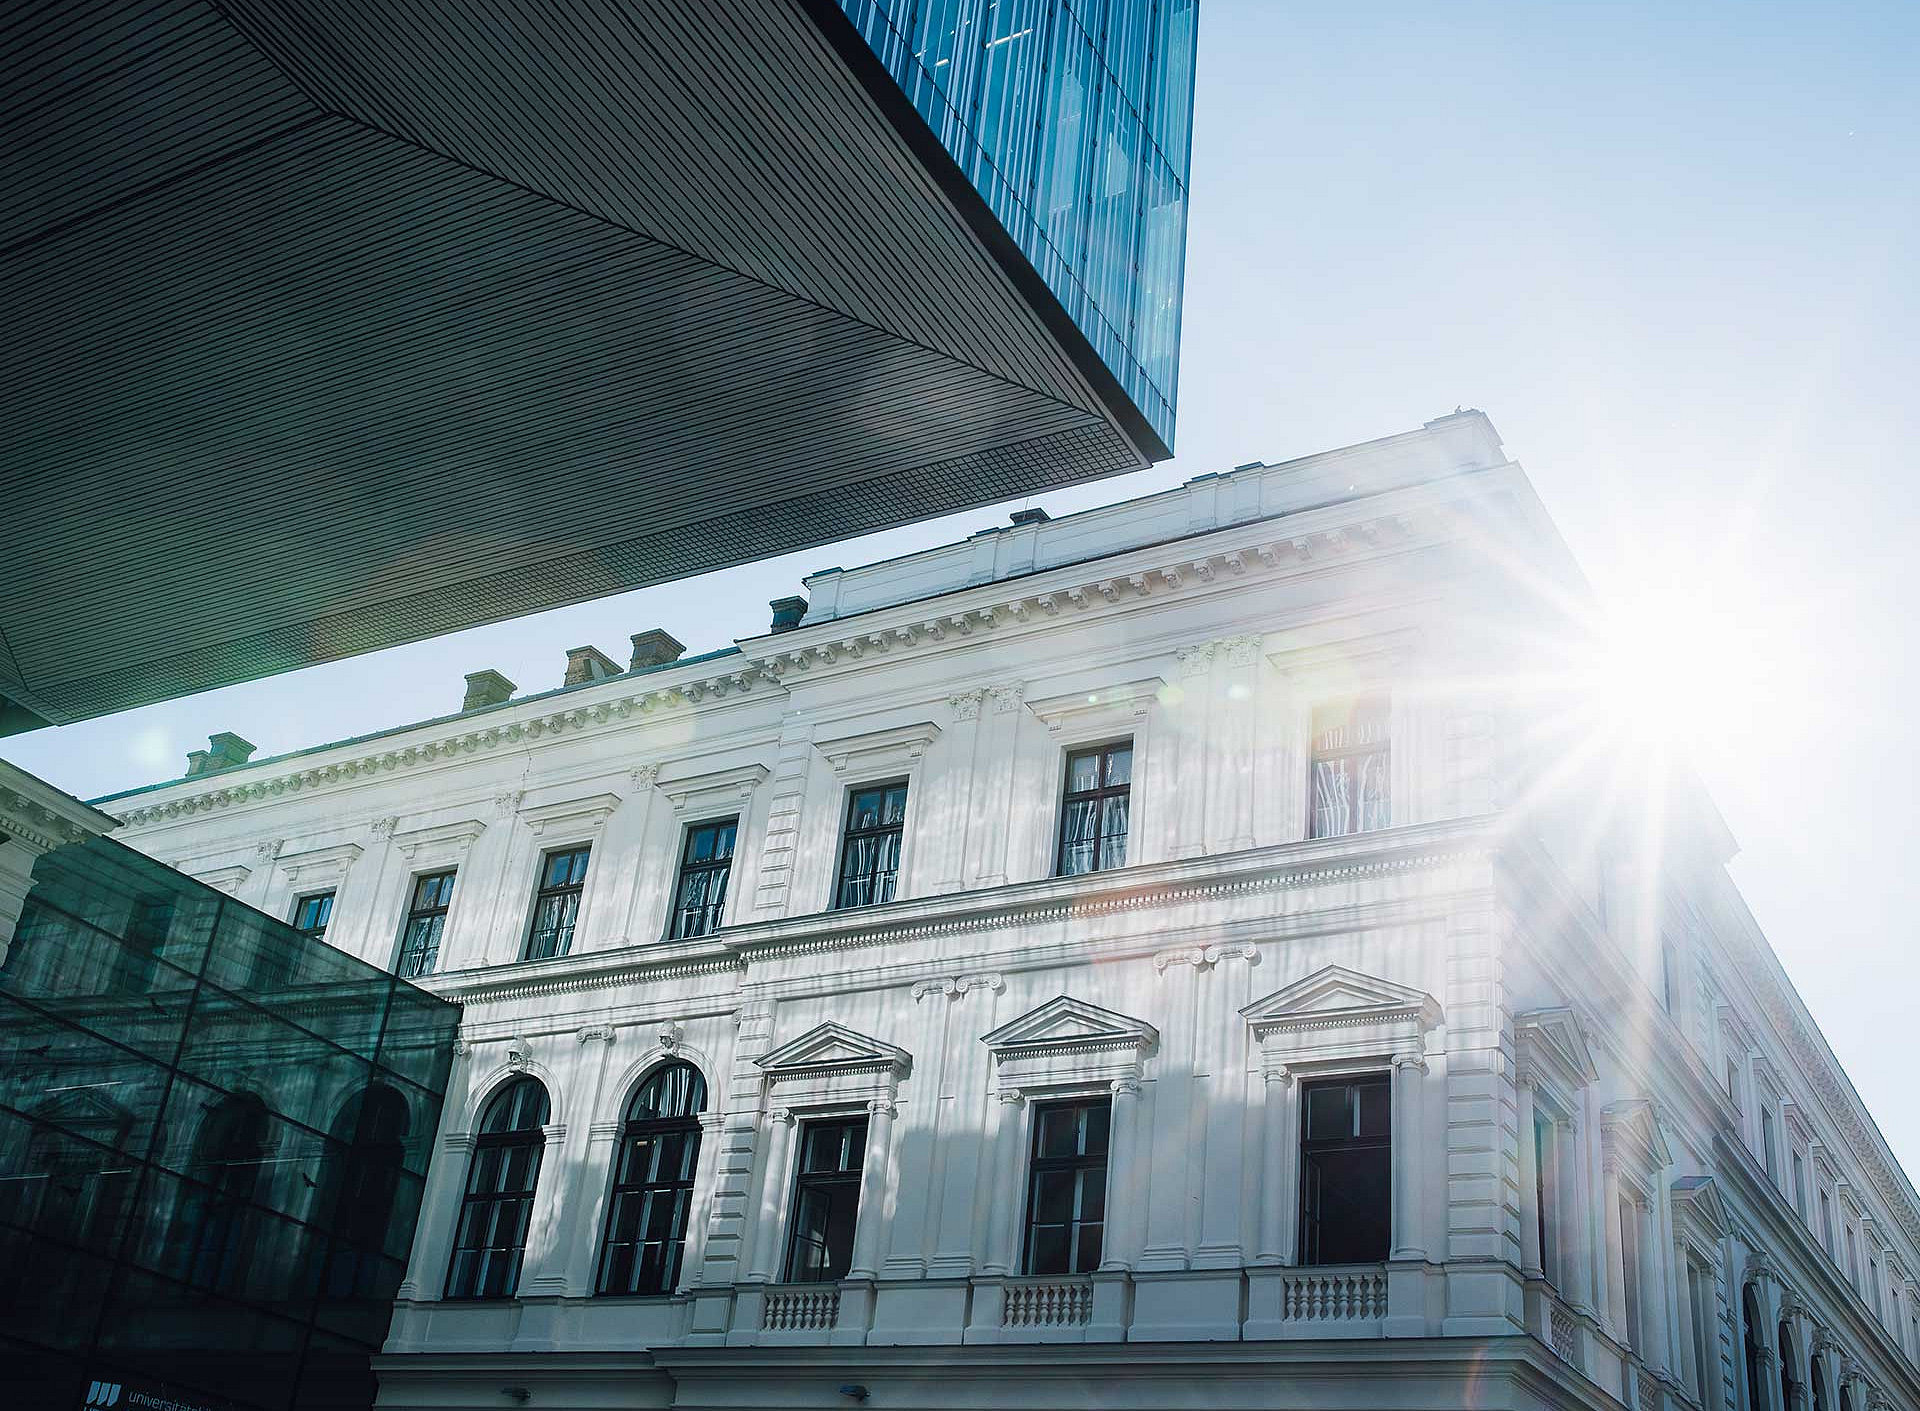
[(654, 647), (787, 613), (1036, 515), (485, 688), (223, 751), (586, 664)]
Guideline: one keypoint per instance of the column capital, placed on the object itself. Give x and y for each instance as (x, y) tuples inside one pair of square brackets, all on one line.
[(881, 1107), (1410, 1058), (1012, 1097), (1126, 1086), (780, 1116), (1277, 1077)]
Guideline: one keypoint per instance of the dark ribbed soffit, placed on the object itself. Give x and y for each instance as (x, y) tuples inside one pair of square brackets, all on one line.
[(333, 326)]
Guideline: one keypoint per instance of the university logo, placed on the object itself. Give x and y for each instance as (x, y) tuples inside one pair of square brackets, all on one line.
[(101, 1395)]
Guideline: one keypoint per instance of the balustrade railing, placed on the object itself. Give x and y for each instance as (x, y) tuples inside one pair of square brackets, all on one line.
[(1565, 1334), (1048, 1303), (1334, 1295), (801, 1310)]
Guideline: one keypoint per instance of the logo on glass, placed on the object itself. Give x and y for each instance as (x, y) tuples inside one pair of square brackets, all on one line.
[(102, 1395)]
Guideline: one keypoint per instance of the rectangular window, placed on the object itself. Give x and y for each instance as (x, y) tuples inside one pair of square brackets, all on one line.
[(706, 862), (1067, 1189), (1700, 1291), (556, 905), (1346, 1174), (1853, 1260), (870, 845), (1766, 1144), (1546, 1180), (826, 1200), (311, 915), (1094, 809), (1873, 1284), (1826, 1223), (1630, 1267), (1799, 1186), (1348, 769), (1733, 1083), (426, 919), (1669, 977)]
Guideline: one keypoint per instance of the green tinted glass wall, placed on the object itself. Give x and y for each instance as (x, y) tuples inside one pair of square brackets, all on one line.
[(214, 1133), (1072, 119)]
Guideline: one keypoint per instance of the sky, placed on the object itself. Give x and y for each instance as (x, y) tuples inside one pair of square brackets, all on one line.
[(1669, 249)]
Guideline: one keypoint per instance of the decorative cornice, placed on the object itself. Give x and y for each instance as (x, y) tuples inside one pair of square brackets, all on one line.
[(587, 812), (42, 817), (1400, 518), (879, 749)]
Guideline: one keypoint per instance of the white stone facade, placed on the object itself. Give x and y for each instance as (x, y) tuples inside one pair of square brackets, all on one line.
[(1504, 959)]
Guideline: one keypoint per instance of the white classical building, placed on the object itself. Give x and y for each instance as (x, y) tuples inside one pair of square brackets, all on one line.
[(1197, 952)]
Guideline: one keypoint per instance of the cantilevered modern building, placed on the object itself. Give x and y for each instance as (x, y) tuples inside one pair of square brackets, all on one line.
[(333, 326)]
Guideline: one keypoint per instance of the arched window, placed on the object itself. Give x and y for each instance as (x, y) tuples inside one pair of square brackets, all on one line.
[(653, 1183), (1846, 1398), (1817, 1375), (492, 1234), (1756, 1353), (216, 1222), (369, 1155)]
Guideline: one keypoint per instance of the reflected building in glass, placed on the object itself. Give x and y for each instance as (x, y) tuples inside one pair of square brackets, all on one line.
[(214, 1133)]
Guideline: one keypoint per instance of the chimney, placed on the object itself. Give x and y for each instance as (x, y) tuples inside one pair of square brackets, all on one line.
[(654, 647), (586, 664), (787, 613), (1036, 515), (485, 688), (223, 751)]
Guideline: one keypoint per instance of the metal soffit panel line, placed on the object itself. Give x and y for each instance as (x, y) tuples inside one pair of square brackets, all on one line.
[(341, 326)]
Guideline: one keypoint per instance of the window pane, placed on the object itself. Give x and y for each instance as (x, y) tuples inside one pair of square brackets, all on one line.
[(1119, 765), (1083, 772), (1329, 1112)]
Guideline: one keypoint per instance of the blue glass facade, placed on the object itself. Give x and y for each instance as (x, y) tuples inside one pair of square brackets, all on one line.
[(214, 1134), (1072, 118)]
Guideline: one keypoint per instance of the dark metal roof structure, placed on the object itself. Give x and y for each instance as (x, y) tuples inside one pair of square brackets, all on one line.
[(331, 326)]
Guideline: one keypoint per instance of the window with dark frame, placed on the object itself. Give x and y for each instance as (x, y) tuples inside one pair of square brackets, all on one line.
[(1767, 1159), (1067, 1187), (426, 919), (826, 1200), (1546, 1180), (870, 845), (706, 863), (312, 914), (556, 904), (1346, 1170), (1096, 804), (646, 1233), (1799, 1186), (1629, 1218), (491, 1236), (1348, 779)]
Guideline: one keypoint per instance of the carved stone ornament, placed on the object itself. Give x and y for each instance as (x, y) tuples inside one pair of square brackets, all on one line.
[(1205, 957), (519, 1054), (965, 705), (671, 1035), (954, 986), (592, 1032)]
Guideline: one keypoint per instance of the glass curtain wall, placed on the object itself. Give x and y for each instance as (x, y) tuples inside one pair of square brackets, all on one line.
[(214, 1134), (1072, 118)]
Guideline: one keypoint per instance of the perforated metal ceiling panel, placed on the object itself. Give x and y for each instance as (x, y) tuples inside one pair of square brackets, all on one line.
[(332, 326)]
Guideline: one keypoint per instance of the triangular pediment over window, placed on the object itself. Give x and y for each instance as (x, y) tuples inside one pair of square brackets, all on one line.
[(1068, 1043), (1631, 1132), (1336, 990), (1335, 1014), (1066, 1022), (1697, 1211), (1553, 1043), (830, 1046)]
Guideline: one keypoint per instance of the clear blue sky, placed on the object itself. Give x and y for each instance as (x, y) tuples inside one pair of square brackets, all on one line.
[(1670, 249)]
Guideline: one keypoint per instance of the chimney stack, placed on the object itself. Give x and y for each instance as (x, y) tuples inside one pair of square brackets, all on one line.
[(586, 664), (654, 647), (223, 751), (787, 613), (485, 688), (1036, 515)]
